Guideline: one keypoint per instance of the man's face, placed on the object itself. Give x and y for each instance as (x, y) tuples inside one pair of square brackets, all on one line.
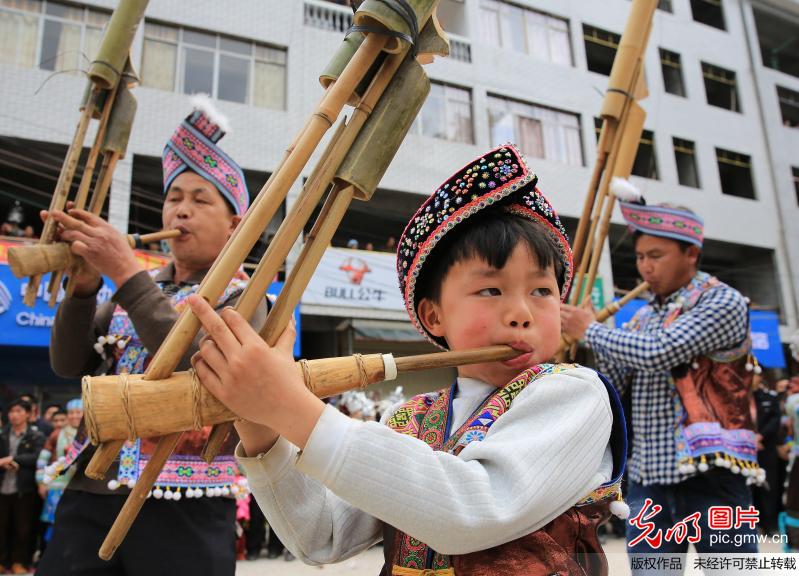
[(17, 416), (74, 416), (517, 305), (663, 263), (49, 413), (194, 206), (59, 420)]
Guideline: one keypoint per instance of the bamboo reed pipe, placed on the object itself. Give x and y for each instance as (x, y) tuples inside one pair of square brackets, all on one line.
[(43, 258), (187, 325), (59, 199), (83, 189), (126, 406)]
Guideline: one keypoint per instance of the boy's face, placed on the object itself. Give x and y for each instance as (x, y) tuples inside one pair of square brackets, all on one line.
[(59, 420), (517, 305)]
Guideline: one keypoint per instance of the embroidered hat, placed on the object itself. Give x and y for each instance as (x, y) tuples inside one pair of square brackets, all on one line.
[(664, 221), (499, 179), (193, 147), (75, 404)]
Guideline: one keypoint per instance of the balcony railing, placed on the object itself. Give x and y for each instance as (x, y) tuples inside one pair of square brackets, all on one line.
[(327, 16), (336, 18)]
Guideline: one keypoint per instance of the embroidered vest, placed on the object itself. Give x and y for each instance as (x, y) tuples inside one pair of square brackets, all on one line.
[(185, 469), (712, 396), (567, 545)]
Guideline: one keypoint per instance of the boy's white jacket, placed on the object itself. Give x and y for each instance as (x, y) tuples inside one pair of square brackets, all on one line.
[(548, 451)]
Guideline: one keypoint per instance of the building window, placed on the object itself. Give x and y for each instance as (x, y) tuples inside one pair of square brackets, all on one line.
[(708, 12), (600, 49), (672, 72), (795, 172), (777, 38), (540, 132), (50, 35), (735, 171), (540, 35), (685, 157), (446, 114), (721, 87), (789, 106), (190, 61), (645, 164)]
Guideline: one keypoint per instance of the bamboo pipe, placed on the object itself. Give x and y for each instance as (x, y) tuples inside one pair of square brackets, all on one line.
[(40, 259), (609, 311), (336, 205), (248, 231), (83, 189), (187, 325), (622, 168), (59, 199), (128, 406)]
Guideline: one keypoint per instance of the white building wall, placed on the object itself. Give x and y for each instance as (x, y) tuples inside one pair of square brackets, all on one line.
[(259, 136)]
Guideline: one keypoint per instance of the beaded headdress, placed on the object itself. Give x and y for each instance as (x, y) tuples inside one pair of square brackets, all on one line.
[(499, 179)]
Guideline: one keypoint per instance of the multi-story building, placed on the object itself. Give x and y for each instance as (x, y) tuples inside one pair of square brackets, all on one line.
[(720, 137)]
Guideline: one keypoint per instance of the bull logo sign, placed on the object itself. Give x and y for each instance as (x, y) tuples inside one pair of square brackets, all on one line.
[(355, 268)]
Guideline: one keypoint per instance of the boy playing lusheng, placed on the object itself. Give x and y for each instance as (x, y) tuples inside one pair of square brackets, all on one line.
[(472, 484)]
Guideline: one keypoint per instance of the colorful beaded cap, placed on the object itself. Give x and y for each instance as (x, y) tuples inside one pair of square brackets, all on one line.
[(664, 221), (499, 178), (193, 147)]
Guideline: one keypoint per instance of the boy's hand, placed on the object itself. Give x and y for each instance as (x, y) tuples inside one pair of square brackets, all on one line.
[(259, 383)]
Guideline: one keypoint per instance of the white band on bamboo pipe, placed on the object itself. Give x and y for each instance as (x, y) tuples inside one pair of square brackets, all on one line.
[(389, 367)]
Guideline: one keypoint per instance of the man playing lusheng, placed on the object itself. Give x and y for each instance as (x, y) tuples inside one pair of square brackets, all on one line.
[(182, 529), (508, 471), (685, 356)]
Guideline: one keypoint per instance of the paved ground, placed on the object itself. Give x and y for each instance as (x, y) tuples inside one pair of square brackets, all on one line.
[(370, 562)]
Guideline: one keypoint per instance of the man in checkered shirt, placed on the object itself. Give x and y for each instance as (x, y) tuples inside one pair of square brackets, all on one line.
[(668, 244)]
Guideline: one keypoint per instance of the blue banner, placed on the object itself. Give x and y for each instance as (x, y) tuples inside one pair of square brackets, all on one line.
[(24, 326), (764, 326)]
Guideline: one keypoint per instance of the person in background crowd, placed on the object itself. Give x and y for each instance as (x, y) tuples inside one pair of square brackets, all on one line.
[(59, 420), (13, 226), (20, 443), (369, 247), (352, 244), (391, 244), (767, 403), (50, 474), (43, 425), (50, 411)]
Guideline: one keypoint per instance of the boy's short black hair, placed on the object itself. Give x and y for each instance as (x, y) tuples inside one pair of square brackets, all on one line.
[(60, 412), (492, 236), (22, 403)]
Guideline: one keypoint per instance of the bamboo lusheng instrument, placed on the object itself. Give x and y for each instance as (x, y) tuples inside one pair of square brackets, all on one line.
[(36, 259), (622, 126), (379, 15), (127, 406), (106, 75), (610, 309)]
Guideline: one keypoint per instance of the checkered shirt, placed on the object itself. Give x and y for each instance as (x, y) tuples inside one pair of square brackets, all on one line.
[(718, 321)]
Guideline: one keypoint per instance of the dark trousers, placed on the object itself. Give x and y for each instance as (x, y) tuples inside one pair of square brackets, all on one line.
[(17, 516), (718, 487), (187, 537), (256, 532)]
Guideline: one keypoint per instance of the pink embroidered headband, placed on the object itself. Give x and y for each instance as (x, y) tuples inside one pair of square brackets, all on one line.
[(664, 221)]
